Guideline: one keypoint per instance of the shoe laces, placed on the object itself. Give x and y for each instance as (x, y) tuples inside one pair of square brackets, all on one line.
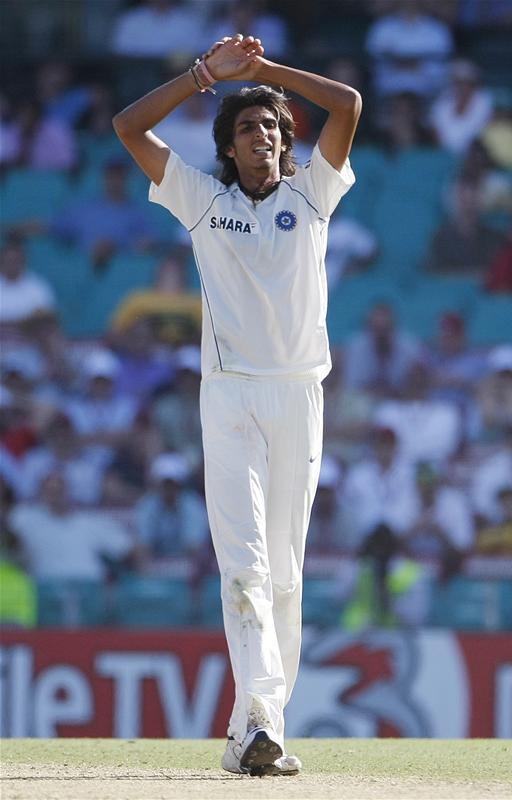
[(257, 718)]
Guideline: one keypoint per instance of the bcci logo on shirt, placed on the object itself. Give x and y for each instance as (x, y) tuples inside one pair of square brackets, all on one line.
[(286, 220)]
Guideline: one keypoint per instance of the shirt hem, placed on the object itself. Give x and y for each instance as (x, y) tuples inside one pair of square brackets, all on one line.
[(313, 374)]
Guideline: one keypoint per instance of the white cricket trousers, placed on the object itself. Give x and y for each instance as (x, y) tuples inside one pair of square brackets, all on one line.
[(262, 448)]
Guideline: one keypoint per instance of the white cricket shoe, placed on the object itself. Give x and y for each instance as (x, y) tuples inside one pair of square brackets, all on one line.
[(260, 751), (283, 765), (231, 758), (287, 765)]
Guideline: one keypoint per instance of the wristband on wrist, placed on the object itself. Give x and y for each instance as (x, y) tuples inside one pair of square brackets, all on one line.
[(202, 76), (196, 80), (203, 69)]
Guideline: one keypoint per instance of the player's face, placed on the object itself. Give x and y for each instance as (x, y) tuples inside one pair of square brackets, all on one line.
[(256, 139)]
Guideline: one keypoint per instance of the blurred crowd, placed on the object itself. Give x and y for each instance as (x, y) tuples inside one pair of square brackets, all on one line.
[(100, 440)]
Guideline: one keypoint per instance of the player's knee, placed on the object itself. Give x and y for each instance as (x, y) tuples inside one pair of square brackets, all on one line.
[(245, 589), (284, 592), (286, 580)]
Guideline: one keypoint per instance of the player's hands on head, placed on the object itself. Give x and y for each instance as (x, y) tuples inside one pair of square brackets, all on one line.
[(235, 58)]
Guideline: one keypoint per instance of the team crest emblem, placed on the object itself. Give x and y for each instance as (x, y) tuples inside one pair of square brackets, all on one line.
[(286, 220)]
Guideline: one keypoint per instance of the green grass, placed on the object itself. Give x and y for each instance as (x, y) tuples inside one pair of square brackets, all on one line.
[(450, 760)]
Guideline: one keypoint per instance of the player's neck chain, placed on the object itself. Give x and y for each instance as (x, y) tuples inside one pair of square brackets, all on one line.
[(258, 196)]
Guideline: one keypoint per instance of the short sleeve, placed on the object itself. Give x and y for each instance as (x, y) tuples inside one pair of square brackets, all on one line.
[(185, 191), (322, 184)]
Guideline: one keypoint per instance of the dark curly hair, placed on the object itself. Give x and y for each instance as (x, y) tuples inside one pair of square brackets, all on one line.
[(224, 124)]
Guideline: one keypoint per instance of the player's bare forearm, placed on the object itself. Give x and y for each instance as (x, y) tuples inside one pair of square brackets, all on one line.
[(341, 102)]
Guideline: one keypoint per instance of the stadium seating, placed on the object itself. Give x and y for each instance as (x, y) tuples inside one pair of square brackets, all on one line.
[(209, 612), (30, 194), (370, 167), (319, 606), (72, 603), (69, 271), (469, 604), (87, 297), (351, 300), (430, 298), (152, 602), (96, 151), (491, 322), (404, 230), (106, 287)]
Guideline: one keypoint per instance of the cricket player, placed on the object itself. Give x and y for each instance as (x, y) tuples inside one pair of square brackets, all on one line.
[(259, 235)]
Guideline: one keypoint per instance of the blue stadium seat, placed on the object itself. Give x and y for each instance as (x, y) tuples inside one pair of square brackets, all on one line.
[(421, 173), (149, 602), (123, 274), (370, 167), (96, 151), (28, 194), (72, 603), (210, 604), (469, 604), (69, 272), (491, 322), (506, 604), (86, 297), (89, 183), (410, 207), (319, 605), (351, 300), (404, 227), (430, 298)]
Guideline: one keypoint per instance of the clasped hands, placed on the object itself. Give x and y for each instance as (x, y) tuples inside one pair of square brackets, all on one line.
[(234, 58)]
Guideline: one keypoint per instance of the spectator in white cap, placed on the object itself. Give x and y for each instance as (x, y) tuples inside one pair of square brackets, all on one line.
[(494, 395), (100, 415), (463, 110), (176, 409), (325, 533), (171, 518)]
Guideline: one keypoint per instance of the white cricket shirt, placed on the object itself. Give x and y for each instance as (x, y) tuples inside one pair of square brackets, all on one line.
[(261, 265)]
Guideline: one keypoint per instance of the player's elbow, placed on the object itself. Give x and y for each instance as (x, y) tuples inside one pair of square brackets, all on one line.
[(125, 125), (347, 106), (119, 124), (358, 102), (350, 102)]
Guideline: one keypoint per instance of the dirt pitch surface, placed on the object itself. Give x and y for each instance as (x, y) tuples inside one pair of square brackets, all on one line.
[(345, 769)]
